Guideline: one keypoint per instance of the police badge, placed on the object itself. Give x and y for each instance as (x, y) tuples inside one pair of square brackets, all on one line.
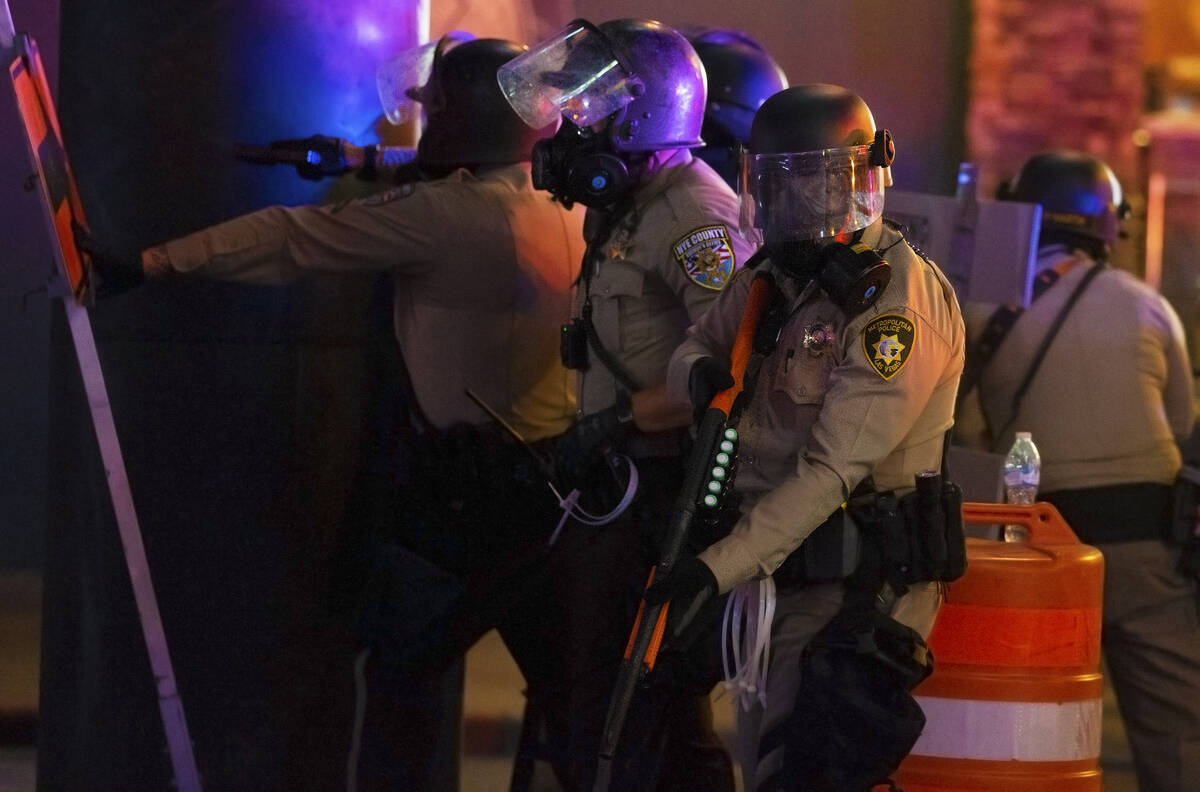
[(888, 342)]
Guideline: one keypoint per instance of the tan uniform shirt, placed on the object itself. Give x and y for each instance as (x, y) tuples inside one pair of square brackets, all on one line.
[(1114, 392), (483, 266), (874, 401), (661, 269)]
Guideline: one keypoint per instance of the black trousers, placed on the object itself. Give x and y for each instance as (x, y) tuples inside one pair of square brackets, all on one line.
[(594, 582), (452, 556)]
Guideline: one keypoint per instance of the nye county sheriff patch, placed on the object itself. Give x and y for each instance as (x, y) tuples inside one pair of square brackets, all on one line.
[(706, 256), (888, 342)]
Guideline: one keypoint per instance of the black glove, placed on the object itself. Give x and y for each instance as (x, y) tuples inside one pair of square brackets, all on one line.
[(315, 157), (689, 585), (707, 378), (112, 272), (687, 579), (584, 445)]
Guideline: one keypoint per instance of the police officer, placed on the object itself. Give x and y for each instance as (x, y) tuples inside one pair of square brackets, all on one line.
[(483, 267), (662, 244), (741, 76), (859, 386), (1119, 361)]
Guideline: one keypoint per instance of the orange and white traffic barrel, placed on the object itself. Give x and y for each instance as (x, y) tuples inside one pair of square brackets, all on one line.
[(1014, 701)]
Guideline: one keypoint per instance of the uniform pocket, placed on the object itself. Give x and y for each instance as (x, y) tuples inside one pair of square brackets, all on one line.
[(624, 288), (805, 377)]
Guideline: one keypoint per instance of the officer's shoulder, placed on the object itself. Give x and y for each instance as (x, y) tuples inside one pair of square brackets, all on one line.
[(698, 194), (443, 190), (393, 194), (895, 237), (697, 214)]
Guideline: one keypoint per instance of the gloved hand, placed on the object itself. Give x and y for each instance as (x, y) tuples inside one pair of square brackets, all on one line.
[(583, 446), (687, 579), (317, 156), (688, 586), (707, 378), (112, 272)]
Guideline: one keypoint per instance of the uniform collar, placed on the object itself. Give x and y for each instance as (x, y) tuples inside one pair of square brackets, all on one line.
[(666, 172), (515, 172), (1060, 257), (1055, 261)]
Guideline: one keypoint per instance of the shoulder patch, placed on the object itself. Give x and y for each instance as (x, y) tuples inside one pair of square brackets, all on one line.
[(387, 196), (888, 341), (706, 256)]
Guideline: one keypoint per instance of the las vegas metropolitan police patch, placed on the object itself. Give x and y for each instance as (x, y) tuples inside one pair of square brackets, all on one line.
[(888, 342), (706, 256)]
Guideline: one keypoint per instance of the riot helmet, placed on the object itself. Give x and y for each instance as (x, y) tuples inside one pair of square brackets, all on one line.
[(814, 168), (624, 89), (814, 175), (467, 120), (741, 76), (1082, 201)]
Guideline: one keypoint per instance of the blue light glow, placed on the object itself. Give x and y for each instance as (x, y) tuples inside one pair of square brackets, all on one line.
[(368, 31), (308, 67)]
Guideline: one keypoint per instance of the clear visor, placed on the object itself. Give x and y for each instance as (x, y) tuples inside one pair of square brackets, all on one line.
[(573, 73), (401, 79), (810, 195)]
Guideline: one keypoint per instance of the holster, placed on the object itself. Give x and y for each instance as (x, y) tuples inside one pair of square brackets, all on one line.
[(913, 538), (877, 536)]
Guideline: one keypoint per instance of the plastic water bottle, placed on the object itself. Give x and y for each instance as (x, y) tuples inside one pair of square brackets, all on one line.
[(1022, 474)]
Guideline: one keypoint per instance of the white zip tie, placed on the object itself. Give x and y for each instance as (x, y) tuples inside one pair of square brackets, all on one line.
[(749, 641), (571, 508)]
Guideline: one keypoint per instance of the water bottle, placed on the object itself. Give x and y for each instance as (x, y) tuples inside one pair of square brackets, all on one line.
[(1022, 474)]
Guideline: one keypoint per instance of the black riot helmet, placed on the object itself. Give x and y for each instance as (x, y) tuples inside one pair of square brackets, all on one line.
[(814, 174), (815, 165), (741, 76), (467, 120), (1081, 198)]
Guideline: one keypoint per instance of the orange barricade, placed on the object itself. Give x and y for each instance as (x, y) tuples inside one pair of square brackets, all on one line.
[(1014, 701)]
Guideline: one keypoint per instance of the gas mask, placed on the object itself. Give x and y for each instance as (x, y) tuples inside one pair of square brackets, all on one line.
[(577, 165), (853, 275)]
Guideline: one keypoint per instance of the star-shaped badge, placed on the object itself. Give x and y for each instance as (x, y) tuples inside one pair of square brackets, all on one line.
[(888, 342)]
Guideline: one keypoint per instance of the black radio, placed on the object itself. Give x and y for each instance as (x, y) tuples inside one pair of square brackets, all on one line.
[(573, 345)]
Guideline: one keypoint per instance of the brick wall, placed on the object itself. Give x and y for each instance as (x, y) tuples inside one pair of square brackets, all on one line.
[(1054, 74)]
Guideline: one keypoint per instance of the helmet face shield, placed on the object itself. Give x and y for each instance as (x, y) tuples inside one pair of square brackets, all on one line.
[(809, 195), (575, 74), (401, 81)]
